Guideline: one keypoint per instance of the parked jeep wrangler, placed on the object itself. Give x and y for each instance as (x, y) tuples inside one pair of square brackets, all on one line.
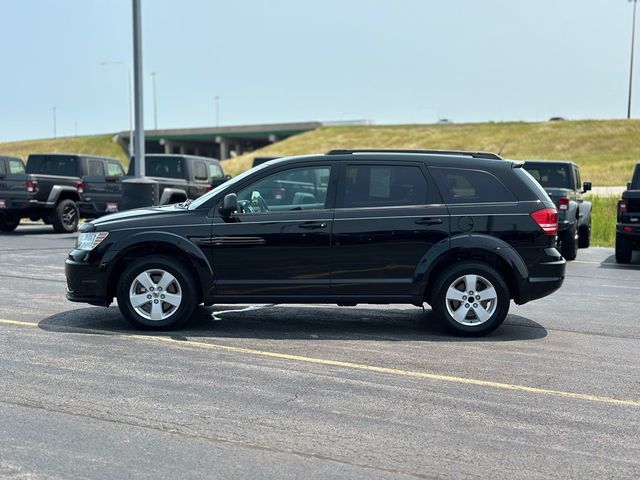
[(628, 227), (48, 189), (562, 182)]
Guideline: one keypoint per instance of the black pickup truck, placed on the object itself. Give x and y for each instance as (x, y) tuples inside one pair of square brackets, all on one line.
[(48, 189), (561, 180), (180, 177), (628, 226)]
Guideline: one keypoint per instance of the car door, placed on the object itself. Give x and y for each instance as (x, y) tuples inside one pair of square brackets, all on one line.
[(387, 217), (278, 243)]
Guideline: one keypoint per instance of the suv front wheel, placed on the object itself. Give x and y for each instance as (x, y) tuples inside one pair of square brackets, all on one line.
[(156, 293), (471, 298)]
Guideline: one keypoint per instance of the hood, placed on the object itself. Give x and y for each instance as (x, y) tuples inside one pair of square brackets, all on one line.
[(138, 214)]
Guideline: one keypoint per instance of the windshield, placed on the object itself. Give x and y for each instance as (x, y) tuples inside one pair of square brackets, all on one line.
[(550, 176), (227, 185)]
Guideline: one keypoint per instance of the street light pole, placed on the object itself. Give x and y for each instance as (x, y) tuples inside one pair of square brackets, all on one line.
[(633, 40), (129, 88), (137, 89), (155, 101)]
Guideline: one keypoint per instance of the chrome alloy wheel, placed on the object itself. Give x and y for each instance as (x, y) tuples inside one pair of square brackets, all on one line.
[(471, 300), (155, 294)]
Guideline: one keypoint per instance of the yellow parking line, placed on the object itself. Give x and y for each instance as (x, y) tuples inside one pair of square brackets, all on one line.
[(340, 364)]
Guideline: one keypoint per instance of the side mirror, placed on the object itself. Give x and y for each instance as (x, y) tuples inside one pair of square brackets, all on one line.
[(229, 205), (586, 186), (628, 185), (227, 177)]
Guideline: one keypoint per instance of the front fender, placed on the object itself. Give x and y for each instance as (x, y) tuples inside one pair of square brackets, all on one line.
[(167, 193), (468, 246), (159, 238)]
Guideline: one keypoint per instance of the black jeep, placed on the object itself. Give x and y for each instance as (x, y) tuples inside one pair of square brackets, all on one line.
[(463, 232)]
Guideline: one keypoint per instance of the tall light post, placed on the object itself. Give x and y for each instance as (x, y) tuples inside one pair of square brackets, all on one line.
[(138, 80), (129, 87), (155, 101), (633, 40)]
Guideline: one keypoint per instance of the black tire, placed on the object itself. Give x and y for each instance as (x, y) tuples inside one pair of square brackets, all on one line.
[(186, 287), (624, 249), (65, 217), (569, 244), (8, 223), (445, 308), (584, 236)]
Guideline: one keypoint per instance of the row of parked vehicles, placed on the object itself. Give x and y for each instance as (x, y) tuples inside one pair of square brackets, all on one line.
[(59, 189)]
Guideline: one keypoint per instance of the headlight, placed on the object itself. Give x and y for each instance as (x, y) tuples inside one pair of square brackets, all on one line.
[(89, 241)]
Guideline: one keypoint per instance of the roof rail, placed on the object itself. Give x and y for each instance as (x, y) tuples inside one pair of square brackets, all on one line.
[(488, 155)]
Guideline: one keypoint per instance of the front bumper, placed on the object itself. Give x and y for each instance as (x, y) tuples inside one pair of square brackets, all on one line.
[(85, 283)]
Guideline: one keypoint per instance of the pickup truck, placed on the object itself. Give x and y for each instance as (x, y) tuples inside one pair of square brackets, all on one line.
[(48, 189), (180, 177), (628, 226), (561, 180)]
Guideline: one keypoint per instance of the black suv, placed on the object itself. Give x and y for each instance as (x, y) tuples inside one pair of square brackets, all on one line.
[(464, 232)]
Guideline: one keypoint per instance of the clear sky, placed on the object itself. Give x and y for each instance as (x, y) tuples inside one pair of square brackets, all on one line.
[(389, 61)]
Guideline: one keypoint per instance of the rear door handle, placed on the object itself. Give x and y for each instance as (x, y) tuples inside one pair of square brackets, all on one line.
[(429, 221), (313, 225)]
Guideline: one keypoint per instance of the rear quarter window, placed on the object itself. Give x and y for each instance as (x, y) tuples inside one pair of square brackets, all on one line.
[(459, 185), (61, 165)]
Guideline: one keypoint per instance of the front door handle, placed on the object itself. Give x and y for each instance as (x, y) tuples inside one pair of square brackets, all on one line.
[(313, 225), (429, 221)]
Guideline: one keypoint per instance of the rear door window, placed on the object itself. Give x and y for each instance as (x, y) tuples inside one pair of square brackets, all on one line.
[(383, 186), (459, 185), (95, 168), (16, 166)]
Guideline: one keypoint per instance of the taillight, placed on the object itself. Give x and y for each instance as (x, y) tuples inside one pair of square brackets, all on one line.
[(31, 186), (547, 219), (622, 206), (80, 186), (563, 203), (209, 188)]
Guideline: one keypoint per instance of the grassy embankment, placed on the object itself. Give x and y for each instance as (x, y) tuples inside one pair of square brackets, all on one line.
[(102, 145), (606, 150)]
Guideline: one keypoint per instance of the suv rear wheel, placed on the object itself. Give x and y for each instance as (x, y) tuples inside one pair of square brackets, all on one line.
[(471, 298), (65, 217), (8, 223), (156, 293)]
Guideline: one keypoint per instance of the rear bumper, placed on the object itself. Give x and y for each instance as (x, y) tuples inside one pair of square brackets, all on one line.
[(545, 277), (630, 230), (94, 209), (24, 208), (85, 284)]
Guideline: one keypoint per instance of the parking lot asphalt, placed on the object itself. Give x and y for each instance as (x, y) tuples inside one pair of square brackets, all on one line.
[(316, 391)]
